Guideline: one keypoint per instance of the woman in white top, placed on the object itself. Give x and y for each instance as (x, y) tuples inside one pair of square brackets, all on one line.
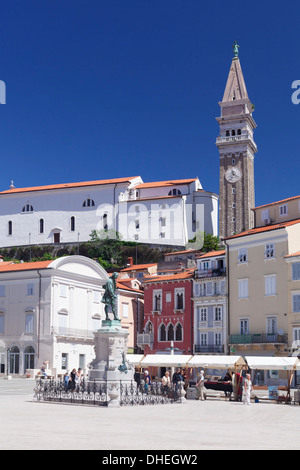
[(247, 389)]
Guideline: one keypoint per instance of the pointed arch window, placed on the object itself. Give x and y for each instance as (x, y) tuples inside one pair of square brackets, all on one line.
[(170, 332), (10, 227), (178, 332), (162, 334)]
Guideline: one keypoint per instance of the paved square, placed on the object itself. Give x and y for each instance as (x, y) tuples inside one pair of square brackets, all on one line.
[(212, 424)]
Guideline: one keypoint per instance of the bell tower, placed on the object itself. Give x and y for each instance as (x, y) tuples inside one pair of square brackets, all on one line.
[(236, 148)]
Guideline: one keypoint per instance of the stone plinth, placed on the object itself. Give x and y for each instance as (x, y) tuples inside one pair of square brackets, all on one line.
[(110, 364)]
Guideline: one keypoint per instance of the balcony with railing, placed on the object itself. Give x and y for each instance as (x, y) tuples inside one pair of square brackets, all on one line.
[(145, 339), (202, 273), (209, 349), (256, 338)]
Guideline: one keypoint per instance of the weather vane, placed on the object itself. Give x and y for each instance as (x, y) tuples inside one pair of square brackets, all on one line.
[(235, 49)]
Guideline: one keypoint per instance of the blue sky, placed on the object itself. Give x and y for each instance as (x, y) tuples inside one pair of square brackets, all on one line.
[(103, 89)]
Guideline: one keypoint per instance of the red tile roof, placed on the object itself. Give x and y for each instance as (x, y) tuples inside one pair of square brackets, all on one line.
[(265, 229), (137, 267), (210, 254), (171, 277), (24, 266), (68, 185), (278, 202)]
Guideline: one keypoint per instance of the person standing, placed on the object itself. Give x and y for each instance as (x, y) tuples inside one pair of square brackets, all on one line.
[(176, 379), (166, 383), (200, 386), (247, 389)]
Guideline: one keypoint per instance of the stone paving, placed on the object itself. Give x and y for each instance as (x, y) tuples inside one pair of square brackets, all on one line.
[(210, 425)]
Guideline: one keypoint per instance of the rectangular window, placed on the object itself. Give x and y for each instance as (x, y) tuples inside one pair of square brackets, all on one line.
[(269, 250), (64, 361), (63, 290), (271, 325), (296, 303), (218, 313), (203, 339), (296, 334), (270, 285), (244, 326), (168, 297), (202, 314), (218, 339), (137, 224), (243, 288), (265, 215), (1, 324), (243, 255), (283, 210), (29, 323), (125, 310), (96, 296), (29, 289), (296, 271), (2, 291)]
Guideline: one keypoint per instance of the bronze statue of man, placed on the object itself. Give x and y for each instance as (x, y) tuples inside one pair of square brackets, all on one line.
[(109, 297)]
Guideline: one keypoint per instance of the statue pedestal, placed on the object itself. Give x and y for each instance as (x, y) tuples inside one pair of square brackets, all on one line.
[(110, 364)]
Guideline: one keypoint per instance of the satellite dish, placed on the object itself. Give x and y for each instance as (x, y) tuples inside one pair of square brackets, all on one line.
[(280, 331)]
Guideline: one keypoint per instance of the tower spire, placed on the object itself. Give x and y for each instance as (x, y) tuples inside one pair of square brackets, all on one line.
[(237, 148)]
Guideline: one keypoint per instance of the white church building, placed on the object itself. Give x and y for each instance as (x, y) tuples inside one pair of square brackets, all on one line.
[(49, 311), (165, 213)]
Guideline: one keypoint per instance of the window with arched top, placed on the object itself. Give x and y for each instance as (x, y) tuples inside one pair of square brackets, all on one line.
[(41, 225), (227, 133), (162, 334), (72, 224), (88, 203), (178, 332), (233, 132), (170, 332), (104, 222), (148, 327), (239, 132), (10, 229), (27, 208), (174, 192)]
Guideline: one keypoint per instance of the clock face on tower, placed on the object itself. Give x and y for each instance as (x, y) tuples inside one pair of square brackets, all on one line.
[(233, 174)]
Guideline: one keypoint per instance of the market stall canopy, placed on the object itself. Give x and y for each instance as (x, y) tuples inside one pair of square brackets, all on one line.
[(216, 362), (273, 363), (134, 359), (165, 360)]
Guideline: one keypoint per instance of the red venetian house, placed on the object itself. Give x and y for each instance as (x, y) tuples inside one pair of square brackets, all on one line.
[(168, 314)]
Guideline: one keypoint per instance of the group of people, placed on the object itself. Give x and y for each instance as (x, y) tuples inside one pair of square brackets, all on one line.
[(73, 380), (243, 387)]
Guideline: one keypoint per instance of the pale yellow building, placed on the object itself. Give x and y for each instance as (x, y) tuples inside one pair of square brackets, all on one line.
[(261, 289)]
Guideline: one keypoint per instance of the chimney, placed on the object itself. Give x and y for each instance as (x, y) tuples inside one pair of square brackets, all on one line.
[(130, 261)]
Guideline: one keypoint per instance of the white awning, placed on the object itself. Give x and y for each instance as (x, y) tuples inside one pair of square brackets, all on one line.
[(216, 362), (273, 363), (165, 360), (134, 359)]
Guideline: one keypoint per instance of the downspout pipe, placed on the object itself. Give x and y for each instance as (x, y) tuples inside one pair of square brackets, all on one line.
[(228, 292), (39, 314)]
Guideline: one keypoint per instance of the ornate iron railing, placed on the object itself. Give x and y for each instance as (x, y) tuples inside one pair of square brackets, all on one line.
[(98, 393)]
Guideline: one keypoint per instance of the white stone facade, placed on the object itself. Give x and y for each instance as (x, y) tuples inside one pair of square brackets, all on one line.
[(49, 311), (167, 213)]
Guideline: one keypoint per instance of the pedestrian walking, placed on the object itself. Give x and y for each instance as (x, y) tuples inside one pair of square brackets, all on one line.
[(200, 386), (247, 390), (176, 379)]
